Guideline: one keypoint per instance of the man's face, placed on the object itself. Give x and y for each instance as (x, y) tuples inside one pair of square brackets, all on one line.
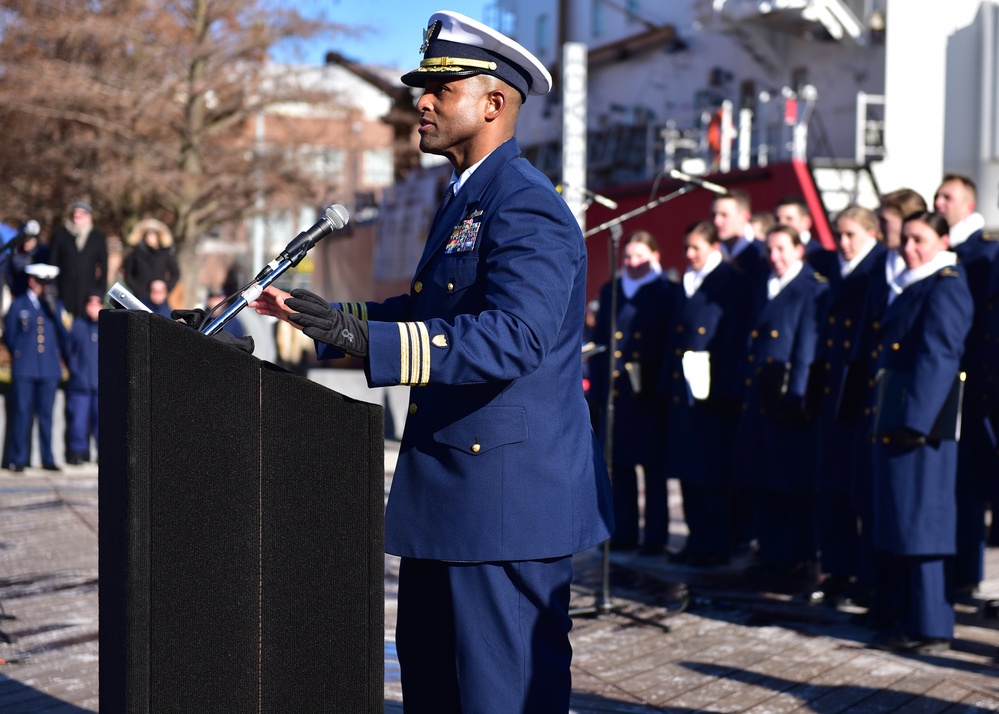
[(81, 217), (451, 114), (730, 220), (792, 215), (157, 292), (954, 202)]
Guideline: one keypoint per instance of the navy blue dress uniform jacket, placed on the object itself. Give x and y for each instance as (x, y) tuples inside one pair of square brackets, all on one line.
[(498, 460), (923, 332), (844, 372), (643, 331), (81, 355), (774, 444), (712, 320), (35, 339)]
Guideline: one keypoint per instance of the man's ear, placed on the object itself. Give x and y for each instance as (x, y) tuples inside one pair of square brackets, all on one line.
[(495, 104)]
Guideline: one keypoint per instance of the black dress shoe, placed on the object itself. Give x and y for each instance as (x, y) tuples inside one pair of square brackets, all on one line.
[(15, 468), (651, 549), (51, 467), (74, 460), (830, 591), (914, 645)]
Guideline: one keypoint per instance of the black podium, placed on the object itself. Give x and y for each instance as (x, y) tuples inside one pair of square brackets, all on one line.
[(241, 531)]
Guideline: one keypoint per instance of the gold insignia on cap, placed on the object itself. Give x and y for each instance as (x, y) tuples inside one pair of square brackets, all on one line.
[(439, 341), (429, 33), (454, 64)]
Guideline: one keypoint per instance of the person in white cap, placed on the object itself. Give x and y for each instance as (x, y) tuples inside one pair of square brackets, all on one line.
[(499, 479), (35, 331)]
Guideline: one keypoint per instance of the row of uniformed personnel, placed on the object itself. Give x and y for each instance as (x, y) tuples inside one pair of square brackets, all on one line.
[(764, 373)]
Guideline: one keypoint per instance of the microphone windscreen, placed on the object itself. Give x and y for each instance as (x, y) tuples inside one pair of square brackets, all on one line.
[(337, 215)]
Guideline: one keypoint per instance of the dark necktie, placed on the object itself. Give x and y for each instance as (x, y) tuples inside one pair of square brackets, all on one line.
[(445, 202)]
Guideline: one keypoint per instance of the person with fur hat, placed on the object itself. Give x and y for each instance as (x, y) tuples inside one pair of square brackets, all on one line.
[(500, 478), (152, 258), (79, 249)]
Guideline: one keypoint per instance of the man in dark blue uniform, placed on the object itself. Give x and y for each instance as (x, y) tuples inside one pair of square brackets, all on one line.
[(81, 388), (956, 200), (35, 330), (499, 479)]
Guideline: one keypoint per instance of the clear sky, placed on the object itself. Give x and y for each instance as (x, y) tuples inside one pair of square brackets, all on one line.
[(395, 28)]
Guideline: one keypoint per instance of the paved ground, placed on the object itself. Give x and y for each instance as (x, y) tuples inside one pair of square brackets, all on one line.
[(732, 650)]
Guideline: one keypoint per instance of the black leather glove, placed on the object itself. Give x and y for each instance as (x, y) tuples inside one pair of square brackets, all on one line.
[(321, 322), (905, 438), (193, 319)]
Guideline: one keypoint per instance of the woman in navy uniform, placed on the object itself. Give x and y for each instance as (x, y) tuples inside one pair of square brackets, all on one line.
[(922, 335), (500, 478), (704, 412), (842, 382), (35, 333), (775, 441), (647, 306)]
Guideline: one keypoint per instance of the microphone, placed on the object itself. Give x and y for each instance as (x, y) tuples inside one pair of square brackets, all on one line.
[(687, 178), (334, 218), (596, 197)]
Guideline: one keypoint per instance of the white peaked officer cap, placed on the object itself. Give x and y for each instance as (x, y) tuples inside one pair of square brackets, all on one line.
[(42, 271), (458, 46)]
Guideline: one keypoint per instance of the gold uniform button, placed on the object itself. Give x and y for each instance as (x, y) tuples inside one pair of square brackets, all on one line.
[(637, 335), (680, 328), (617, 354), (676, 375), (748, 381), (412, 408), (829, 343), (678, 351), (617, 373), (774, 333), (636, 355), (874, 354), (702, 330), (418, 287), (450, 287), (848, 322), (476, 448), (41, 339), (41, 348), (755, 333), (770, 360), (826, 390), (896, 346), (846, 344), (832, 320), (40, 320), (618, 335), (876, 325)]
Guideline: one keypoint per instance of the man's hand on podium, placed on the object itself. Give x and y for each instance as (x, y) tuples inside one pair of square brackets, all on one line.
[(321, 322)]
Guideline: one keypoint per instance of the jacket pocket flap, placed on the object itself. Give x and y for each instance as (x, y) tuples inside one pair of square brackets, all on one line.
[(485, 429)]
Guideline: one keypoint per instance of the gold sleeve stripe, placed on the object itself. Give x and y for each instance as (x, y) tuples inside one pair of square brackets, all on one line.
[(414, 354), (357, 309)]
